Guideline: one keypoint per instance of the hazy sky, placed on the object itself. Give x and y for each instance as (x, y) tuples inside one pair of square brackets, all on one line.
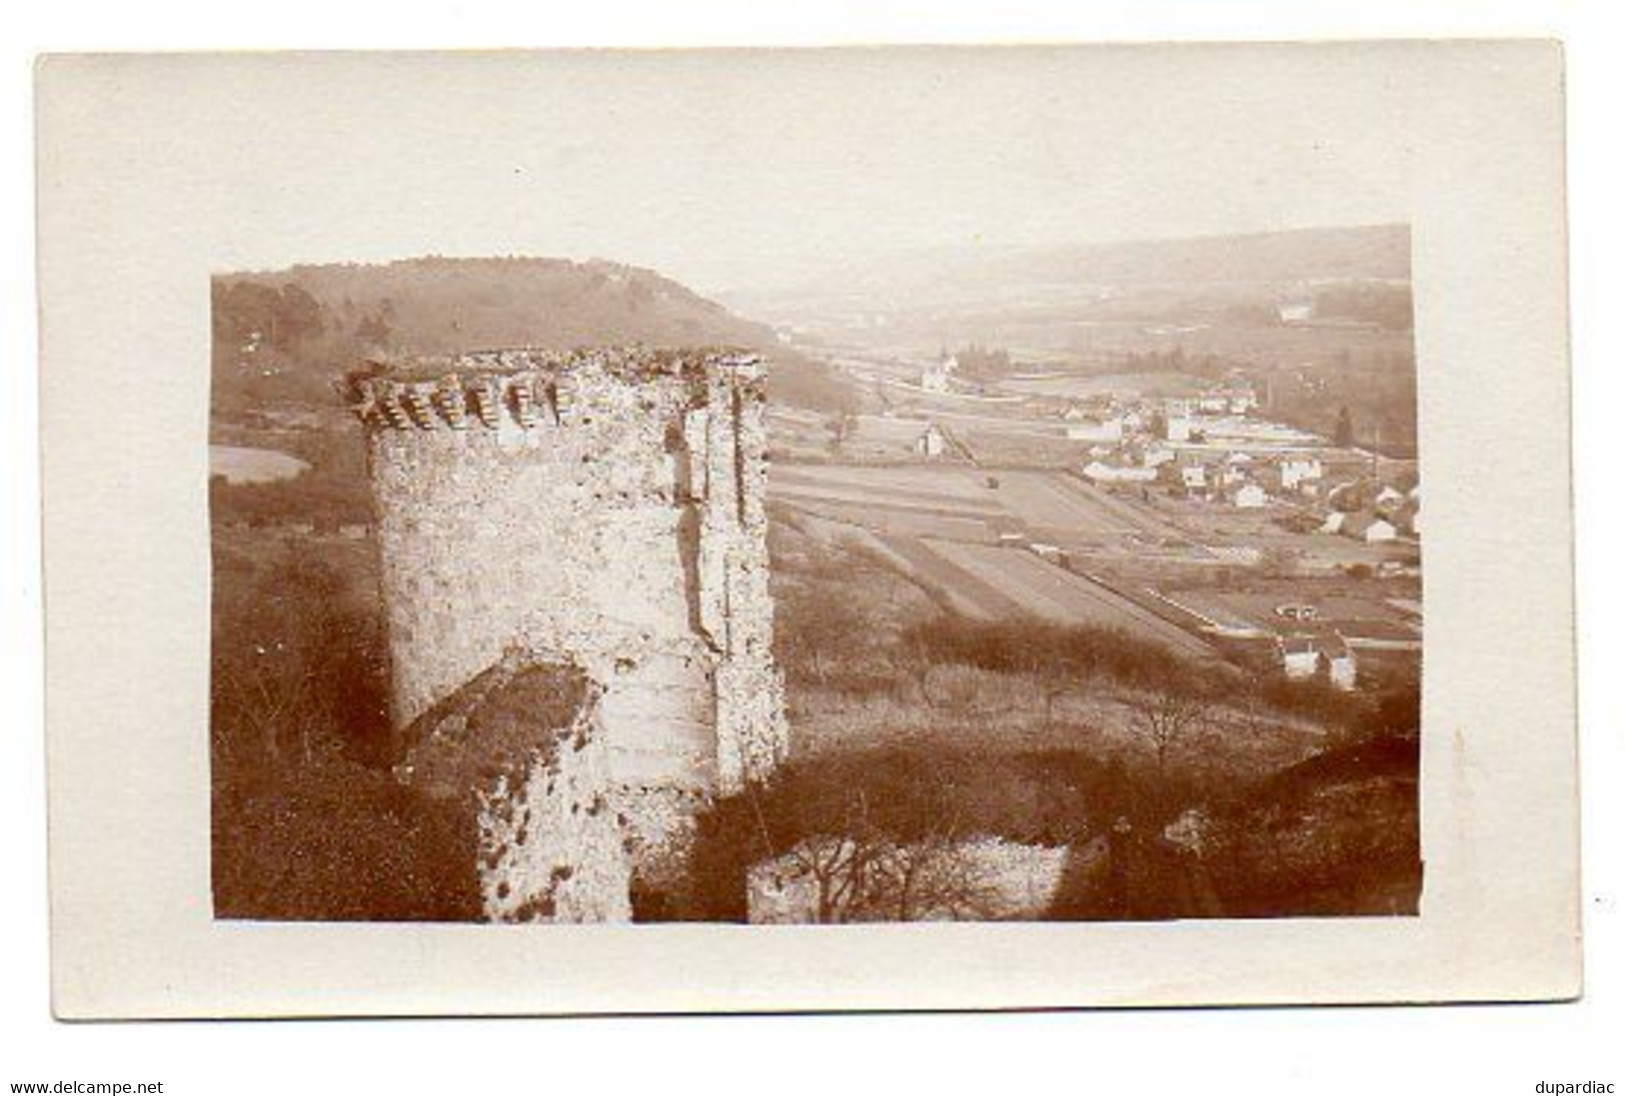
[(725, 169)]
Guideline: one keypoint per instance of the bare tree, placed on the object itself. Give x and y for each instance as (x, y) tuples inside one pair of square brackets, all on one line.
[(840, 426), (861, 869), (876, 878), (934, 879), (1054, 674), (268, 701), (1165, 718), (1252, 713)]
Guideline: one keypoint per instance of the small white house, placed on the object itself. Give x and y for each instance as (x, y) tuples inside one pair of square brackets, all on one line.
[(1242, 398), (1249, 496), (1194, 477), (1389, 498), (934, 375), (1299, 470), (1099, 430), (1379, 532), (1334, 522), (931, 442), (1156, 455), (1338, 657), (1296, 311), (1108, 473), (1299, 659)]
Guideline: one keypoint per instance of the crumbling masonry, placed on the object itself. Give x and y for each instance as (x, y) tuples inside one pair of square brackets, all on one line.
[(574, 567)]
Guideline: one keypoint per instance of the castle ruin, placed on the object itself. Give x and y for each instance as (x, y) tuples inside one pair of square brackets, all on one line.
[(574, 570)]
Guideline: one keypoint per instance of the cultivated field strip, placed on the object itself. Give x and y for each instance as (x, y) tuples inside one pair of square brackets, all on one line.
[(969, 593), (1212, 614), (1052, 593), (1128, 517), (1041, 498), (954, 480), (797, 489), (904, 521)]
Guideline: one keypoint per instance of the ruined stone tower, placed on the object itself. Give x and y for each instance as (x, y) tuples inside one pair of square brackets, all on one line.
[(592, 520)]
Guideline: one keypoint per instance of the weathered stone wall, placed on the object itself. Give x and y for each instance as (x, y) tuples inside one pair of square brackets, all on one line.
[(521, 747), (604, 507), (550, 847)]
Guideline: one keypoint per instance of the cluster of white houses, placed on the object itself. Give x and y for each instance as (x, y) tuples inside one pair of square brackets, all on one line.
[(1210, 447), (1350, 505), (1361, 511), (1245, 478), (1309, 656)]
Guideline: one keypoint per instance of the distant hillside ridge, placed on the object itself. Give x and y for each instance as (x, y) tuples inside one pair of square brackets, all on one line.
[(1278, 262), (445, 305), (1377, 252), (282, 336)]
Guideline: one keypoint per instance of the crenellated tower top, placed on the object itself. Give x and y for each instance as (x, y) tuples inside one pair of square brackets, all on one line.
[(530, 386)]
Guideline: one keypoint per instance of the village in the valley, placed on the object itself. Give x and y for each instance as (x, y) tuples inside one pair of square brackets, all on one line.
[(1170, 506)]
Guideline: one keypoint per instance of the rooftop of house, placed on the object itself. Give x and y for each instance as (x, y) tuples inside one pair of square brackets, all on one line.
[(1334, 647), (1323, 641)]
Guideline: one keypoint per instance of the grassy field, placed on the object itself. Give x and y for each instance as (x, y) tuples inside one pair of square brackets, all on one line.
[(966, 592), (959, 489), (1037, 498), (942, 524), (1052, 593), (1339, 604)]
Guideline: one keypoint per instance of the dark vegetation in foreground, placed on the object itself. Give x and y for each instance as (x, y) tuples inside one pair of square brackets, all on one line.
[(311, 824), (1335, 835), (1179, 789)]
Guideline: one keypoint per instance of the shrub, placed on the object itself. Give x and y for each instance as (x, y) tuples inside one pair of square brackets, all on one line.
[(308, 823), (334, 840), (1038, 647)]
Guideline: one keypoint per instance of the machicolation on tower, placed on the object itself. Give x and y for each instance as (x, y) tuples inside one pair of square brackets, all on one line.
[(575, 575)]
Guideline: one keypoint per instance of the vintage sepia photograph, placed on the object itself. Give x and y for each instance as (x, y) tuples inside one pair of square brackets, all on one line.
[(810, 529), (993, 505)]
